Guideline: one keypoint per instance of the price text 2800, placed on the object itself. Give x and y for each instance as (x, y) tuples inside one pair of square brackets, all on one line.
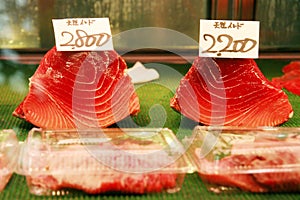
[(82, 39)]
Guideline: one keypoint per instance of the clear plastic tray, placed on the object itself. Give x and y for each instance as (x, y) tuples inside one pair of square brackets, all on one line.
[(99, 161), (231, 159), (8, 155)]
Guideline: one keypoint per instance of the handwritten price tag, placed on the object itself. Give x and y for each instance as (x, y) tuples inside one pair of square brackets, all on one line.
[(229, 39), (82, 34)]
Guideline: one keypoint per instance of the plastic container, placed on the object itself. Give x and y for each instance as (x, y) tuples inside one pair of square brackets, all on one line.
[(231, 159), (112, 160), (8, 155)]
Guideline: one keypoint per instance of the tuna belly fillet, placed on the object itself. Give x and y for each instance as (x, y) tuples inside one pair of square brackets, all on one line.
[(231, 92), (79, 90)]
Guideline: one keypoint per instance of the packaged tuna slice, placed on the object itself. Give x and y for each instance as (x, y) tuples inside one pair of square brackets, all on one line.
[(135, 161), (8, 155), (259, 160)]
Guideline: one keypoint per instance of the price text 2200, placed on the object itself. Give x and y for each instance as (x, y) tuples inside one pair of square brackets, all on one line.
[(231, 45), (82, 39)]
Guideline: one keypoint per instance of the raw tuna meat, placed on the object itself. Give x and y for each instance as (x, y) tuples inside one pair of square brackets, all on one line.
[(79, 89), (255, 168), (230, 92), (244, 182), (291, 78), (9, 150), (74, 167), (278, 181), (6, 170)]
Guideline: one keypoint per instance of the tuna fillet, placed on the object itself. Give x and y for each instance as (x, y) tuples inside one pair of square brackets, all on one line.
[(230, 92), (79, 89), (291, 78)]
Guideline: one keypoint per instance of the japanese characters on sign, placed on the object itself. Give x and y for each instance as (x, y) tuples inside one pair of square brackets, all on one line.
[(76, 22), (228, 25), (229, 39), (82, 34)]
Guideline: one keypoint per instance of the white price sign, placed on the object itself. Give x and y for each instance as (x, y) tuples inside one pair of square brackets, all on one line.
[(229, 39), (82, 34)]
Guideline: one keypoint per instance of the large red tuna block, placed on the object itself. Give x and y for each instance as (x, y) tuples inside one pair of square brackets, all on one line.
[(79, 90), (230, 92)]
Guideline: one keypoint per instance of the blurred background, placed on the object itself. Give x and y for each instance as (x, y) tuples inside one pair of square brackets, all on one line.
[(26, 24)]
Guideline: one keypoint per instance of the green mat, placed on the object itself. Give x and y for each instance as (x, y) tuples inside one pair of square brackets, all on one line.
[(155, 112)]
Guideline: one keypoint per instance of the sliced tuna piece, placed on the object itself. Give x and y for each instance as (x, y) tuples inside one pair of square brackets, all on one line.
[(230, 92), (79, 90), (258, 170), (241, 181), (291, 78), (280, 179)]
